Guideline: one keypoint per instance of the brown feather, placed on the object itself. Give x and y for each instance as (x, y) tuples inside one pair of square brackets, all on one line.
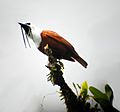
[(61, 48)]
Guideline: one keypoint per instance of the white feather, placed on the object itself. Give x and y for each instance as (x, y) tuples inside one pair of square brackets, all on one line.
[(35, 36)]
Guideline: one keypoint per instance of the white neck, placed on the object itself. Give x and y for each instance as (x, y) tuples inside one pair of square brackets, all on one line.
[(36, 37)]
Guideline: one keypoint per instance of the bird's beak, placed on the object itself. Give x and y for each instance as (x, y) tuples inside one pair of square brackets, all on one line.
[(25, 27)]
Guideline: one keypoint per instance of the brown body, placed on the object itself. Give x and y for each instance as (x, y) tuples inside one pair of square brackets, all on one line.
[(61, 48)]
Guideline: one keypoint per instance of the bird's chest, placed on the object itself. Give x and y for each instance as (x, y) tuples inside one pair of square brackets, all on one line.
[(36, 37)]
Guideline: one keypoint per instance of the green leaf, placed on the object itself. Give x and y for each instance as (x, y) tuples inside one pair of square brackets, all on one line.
[(84, 89), (97, 93), (109, 93), (78, 86), (75, 88), (100, 97)]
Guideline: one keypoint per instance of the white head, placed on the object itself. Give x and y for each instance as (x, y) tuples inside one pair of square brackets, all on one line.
[(32, 32)]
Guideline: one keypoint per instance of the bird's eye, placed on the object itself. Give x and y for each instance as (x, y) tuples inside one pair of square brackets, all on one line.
[(28, 23)]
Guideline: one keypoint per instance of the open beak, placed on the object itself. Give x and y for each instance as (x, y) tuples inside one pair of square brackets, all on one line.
[(26, 28)]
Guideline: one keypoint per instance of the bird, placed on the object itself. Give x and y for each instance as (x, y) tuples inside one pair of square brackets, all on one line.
[(61, 48)]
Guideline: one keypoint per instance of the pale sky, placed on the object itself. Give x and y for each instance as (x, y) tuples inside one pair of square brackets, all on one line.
[(93, 28)]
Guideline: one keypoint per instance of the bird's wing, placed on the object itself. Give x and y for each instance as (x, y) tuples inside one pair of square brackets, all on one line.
[(61, 46), (56, 37)]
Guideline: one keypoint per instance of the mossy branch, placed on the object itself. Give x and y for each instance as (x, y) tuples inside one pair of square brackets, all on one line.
[(56, 77), (74, 103)]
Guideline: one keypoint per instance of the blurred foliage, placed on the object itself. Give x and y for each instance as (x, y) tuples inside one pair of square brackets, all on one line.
[(104, 99)]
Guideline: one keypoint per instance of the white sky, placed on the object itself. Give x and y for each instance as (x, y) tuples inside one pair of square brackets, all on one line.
[(92, 26)]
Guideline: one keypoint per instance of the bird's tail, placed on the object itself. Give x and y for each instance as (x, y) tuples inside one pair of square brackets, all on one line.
[(80, 60)]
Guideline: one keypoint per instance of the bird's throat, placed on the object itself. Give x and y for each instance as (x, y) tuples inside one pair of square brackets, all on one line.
[(36, 37)]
